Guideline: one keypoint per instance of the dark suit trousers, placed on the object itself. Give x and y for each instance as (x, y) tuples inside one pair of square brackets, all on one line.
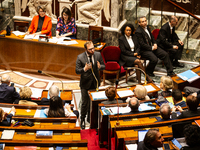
[(175, 54), (153, 56), (85, 107)]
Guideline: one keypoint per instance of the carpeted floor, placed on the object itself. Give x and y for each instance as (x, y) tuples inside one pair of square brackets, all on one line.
[(93, 139)]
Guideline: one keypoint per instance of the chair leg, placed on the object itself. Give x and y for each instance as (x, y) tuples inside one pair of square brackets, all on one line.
[(104, 76), (117, 76), (126, 76)]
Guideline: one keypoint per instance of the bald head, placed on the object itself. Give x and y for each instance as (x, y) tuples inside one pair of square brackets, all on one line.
[(165, 111), (53, 91), (5, 79), (173, 21), (134, 104)]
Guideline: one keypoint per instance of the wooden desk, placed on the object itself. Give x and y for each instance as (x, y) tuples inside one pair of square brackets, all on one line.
[(30, 55), (94, 103), (8, 147), (66, 95), (180, 84)]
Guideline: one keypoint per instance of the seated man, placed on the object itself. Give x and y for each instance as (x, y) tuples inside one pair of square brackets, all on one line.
[(168, 40), (5, 119), (152, 140), (192, 90), (134, 105), (177, 98), (110, 93), (8, 93), (149, 48), (192, 104), (165, 112)]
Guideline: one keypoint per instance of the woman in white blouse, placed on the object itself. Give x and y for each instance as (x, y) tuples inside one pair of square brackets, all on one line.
[(130, 50)]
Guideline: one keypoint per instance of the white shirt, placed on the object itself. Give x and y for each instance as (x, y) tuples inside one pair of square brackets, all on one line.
[(170, 27), (130, 42), (145, 29), (89, 58)]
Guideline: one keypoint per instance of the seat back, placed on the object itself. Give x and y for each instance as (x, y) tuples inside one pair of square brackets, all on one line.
[(95, 31), (155, 33), (111, 53), (21, 25)]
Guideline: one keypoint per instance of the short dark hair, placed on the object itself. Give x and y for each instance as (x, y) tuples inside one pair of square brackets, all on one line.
[(127, 25), (87, 43), (177, 95), (172, 18), (192, 135), (68, 12), (110, 92), (165, 114), (140, 18), (135, 106), (192, 102), (150, 136)]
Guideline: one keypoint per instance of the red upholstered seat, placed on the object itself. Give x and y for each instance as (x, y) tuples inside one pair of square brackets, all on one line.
[(155, 33), (111, 56)]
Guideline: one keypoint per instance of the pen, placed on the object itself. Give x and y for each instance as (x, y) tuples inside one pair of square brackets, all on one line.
[(110, 110)]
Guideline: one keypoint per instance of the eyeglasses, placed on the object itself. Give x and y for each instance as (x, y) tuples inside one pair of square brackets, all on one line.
[(65, 15), (41, 11), (91, 49)]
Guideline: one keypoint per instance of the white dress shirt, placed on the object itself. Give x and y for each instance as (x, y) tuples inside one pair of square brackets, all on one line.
[(130, 42)]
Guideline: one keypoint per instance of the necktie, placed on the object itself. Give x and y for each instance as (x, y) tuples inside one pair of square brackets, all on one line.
[(91, 60)]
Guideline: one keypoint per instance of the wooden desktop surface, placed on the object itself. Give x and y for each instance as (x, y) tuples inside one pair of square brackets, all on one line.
[(47, 148), (33, 55), (94, 103), (180, 84)]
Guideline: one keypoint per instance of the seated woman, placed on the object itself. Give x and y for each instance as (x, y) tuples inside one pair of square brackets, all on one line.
[(5, 119), (66, 25), (41, 24), (166, 84), (56, 108), (110, 93), (130, 50), (141, 92), (25, 95)]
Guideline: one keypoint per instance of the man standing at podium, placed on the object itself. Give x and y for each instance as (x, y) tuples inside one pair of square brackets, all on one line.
[(88, 65)]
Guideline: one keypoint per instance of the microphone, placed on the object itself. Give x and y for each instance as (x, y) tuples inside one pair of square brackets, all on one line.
[(40, 71), (145, 81), (117, 123), (97, 89)]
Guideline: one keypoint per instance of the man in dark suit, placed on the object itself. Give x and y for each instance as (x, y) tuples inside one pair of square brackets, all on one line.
[(177, 98), (152, 140), (193, 91), (149, 48), (88, 65), (165, 112), (134, 105), (8, 93), (192, 104), (169, 41)]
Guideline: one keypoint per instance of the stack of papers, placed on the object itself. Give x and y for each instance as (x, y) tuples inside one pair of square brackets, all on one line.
[(188, 75), (146, 106), (114, 110), (17, 33), (125, 93), (149, 88), (99, 95), (7, 134)]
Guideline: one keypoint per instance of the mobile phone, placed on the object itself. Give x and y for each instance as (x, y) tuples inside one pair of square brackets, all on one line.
[(175, 142), (166, 146)]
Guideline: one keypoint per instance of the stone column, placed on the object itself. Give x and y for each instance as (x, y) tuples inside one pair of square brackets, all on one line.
[(17, 7), (114, 13)]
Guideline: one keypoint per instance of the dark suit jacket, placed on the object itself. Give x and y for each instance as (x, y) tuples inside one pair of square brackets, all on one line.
[(198, 95), (86, 77), (8, 94), (165, 39), (186, 114), (182, 104), (144, 40), (126, 49), (7, 121), (112, 102), (142, 146)]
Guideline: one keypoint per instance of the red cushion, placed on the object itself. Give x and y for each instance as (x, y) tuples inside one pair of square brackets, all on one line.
[(155, 33), (111, 53), (111, 65)]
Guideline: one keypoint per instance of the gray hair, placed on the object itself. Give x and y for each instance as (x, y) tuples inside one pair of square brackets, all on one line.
[(140, 18), (165, 111), (53, 91), (5, 78)]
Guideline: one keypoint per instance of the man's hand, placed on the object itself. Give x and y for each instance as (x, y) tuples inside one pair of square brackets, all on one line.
[(87, 67), (155, 46), (139, 56), (194, 94), (179, 108), (173, 108), (175, 47), (180, 42), (98, 65), (13, 109), (135, 54)]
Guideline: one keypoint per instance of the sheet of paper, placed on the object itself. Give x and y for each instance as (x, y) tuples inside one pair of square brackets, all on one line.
[(67, 42), (36, 93), (149, 88), (53, 40), (37, 113), (29, 36), (144, 106), (17, 33), (6, 109), (125, 93), (131, 146), (7, 134), (37, 36), (99, 95)]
